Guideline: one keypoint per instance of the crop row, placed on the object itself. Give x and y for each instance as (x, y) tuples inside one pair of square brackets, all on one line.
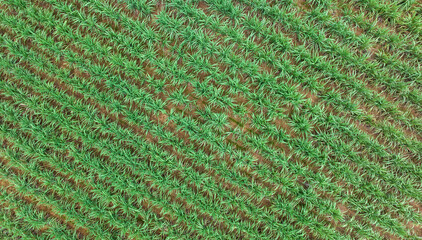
[(192, 126)]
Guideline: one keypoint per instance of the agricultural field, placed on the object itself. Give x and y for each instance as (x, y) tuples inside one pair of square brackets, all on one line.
[(214, 119)]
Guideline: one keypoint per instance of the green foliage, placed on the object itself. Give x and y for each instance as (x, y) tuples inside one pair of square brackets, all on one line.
[(216, 119)]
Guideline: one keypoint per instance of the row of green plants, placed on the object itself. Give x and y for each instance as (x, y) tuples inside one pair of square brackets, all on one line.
[(128, 191), (362, 62), (330, 67), (385, 127), (122, 155), (392, 14), (99, 98), (368, 20), (189, 123), (332, 97), (25, 185), (76, 81), (405, 43), (400, 15), (387, 59), (23, 221)]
